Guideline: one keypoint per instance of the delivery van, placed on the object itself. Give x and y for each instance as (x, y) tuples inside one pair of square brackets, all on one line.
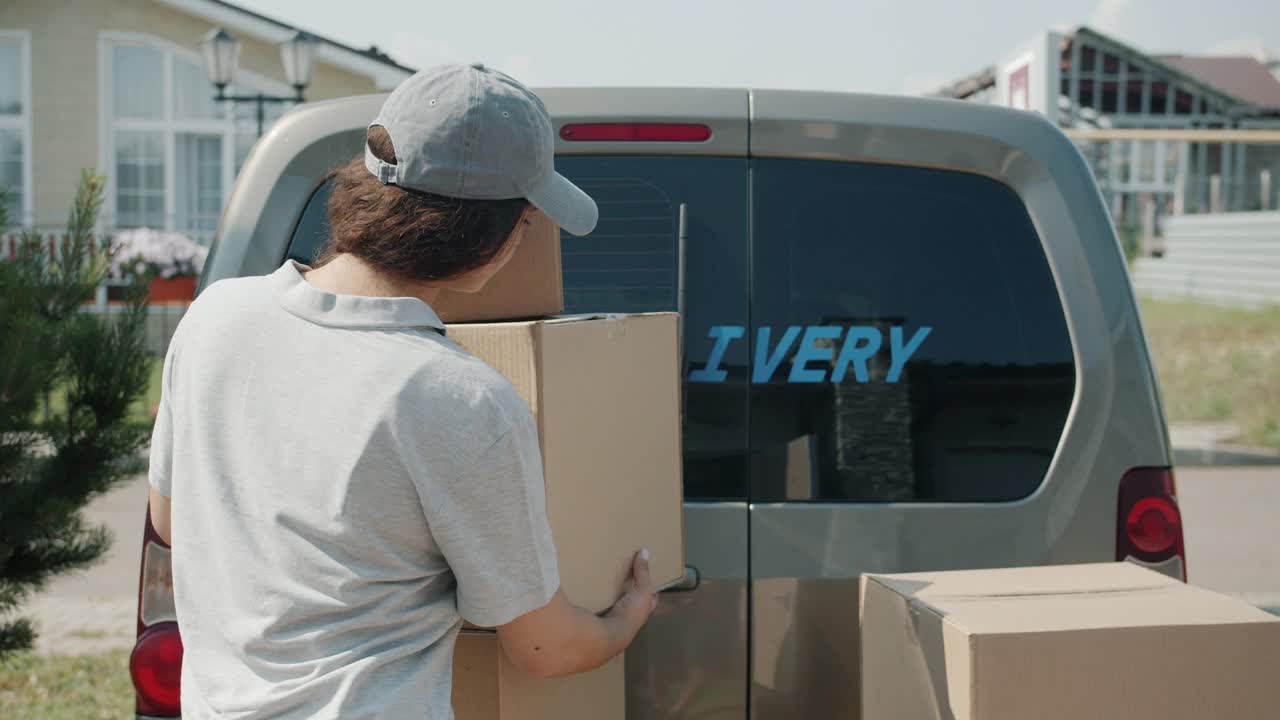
[(910, 344)]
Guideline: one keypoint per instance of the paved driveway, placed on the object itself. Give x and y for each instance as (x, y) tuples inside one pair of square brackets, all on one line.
[(94, 609), (1233, 537)]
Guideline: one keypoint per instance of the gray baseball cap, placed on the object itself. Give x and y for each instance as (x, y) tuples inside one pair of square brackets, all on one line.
[(471, 132)]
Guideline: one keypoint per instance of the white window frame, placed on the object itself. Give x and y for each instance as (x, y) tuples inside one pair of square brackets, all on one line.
[(168, 125), (23, 124), (1132, 155)]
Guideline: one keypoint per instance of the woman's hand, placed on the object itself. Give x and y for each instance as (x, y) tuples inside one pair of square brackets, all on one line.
[(561, 638), (637, 604)]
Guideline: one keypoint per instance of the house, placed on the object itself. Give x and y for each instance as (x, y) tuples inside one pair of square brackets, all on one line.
[(1181, 205), (1085, 79), (120, 85)]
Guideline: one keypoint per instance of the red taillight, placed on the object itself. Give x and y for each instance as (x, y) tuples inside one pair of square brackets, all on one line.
[(1153, 525), (1150, 525), (156, 663), (635, 132), (156, 668)]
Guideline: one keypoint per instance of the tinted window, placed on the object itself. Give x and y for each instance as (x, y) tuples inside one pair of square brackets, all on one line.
[(312, 230), (630, 264), (967, 393)]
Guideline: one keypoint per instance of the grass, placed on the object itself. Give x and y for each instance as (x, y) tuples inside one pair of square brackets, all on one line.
[(152, 397), (141, 410), (1218, 364), (63, 687)]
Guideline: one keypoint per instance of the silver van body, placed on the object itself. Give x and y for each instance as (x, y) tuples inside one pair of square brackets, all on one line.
[(767, 626)]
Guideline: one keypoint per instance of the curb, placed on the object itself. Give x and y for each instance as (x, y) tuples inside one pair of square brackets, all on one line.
[(1223, 456)]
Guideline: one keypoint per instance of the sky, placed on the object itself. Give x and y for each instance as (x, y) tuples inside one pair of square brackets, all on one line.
[(885, 46)]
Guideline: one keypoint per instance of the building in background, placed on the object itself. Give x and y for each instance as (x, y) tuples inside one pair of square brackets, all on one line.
[(1085, 79), (120, 85)]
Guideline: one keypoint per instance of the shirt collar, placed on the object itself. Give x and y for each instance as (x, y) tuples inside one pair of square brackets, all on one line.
[(309, 302)]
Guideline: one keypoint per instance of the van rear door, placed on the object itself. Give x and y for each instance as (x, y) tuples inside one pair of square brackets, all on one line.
[(941, 332), (691, 660)]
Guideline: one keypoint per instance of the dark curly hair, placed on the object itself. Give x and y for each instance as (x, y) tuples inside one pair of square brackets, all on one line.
[(412, 235)]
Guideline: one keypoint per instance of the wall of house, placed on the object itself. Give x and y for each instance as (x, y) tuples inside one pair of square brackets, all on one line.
[(64, 80)]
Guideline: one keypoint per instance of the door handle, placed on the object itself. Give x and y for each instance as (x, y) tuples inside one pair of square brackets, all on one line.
[(689, 582)]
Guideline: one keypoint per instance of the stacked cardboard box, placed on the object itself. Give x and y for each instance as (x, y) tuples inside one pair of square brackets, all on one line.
[(530, 285), (1106, 641), (605, 393)]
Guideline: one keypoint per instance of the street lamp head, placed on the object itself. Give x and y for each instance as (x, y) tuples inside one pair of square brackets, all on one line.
[(297, 54), (221, 56)]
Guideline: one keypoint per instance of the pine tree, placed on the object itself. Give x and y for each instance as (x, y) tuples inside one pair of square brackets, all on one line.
[(67, 381)]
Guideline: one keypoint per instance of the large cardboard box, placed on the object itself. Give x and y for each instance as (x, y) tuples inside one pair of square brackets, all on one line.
[(605, 392), (487, 686), (1106, 641), (528, 286)]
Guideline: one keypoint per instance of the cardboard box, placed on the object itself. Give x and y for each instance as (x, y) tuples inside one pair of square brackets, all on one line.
[(528, 286), (1067, 642), (605, 392), (487, 686)]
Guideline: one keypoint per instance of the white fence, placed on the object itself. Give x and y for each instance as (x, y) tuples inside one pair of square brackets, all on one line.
[(53, 242), (1219, 258), (162, 319), (10, 241)]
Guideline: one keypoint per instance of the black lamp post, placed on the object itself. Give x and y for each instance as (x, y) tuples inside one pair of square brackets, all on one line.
[(222, 55)]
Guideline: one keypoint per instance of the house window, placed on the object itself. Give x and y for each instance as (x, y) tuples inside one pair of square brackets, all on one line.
[(172, 150), (15, 124)]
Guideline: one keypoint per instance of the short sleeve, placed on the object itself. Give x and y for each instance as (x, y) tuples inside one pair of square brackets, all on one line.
[(160, 470), (490, 522)]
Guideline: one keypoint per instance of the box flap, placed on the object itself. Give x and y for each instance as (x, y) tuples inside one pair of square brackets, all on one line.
[(512, 353), (615, 317), (1047, 580), (1066, 597)]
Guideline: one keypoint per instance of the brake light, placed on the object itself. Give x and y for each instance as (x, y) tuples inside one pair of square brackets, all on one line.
[(1153, 524), (156, 662), (156, 667), (636, 132), (1149, 528)]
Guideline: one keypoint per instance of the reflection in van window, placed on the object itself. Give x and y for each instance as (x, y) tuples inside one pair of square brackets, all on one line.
[(629, 261), (975, 411), (630, 264)]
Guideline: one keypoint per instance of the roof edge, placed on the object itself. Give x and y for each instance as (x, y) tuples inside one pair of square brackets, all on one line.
[(1154, 59), (385, 72)]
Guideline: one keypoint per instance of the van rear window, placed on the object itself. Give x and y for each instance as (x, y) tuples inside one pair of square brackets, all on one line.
[(930, 360), (630, 263)]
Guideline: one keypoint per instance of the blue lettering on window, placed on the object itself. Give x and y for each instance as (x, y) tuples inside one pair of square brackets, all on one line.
[(723, 334), (851, 353), (860, 344), (766, 364), (809, 352), (899, 353)]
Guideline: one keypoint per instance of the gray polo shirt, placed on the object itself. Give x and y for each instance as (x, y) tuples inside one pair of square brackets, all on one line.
[(347, 485)]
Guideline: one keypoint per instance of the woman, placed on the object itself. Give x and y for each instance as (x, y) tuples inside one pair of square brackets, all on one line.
[(344, 485)]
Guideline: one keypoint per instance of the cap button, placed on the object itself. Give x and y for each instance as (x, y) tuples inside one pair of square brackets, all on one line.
[(478, 66)]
